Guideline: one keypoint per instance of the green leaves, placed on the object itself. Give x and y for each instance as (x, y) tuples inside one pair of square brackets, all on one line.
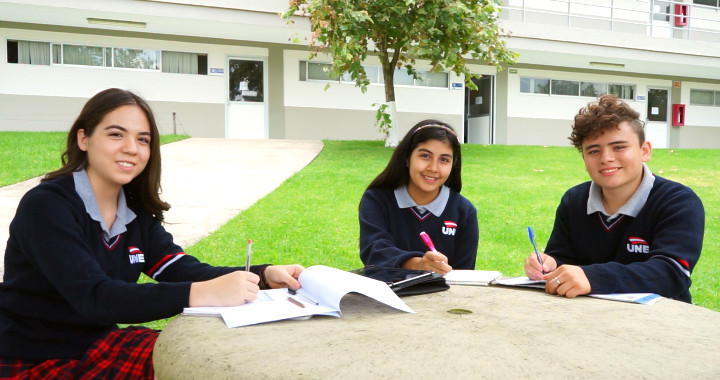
[(445, 32)]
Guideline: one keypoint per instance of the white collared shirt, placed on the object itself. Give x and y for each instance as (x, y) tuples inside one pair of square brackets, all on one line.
[(436, 207), (124, 214), (632, 207)]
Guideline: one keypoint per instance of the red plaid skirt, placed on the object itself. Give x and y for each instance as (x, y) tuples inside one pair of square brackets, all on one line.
[(122, 354)]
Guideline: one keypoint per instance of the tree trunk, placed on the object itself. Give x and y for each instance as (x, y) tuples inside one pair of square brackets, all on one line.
[(391, 140)]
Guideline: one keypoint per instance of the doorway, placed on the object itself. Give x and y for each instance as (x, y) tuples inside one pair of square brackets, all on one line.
[(657, 123), (479, 111), (246, 115)]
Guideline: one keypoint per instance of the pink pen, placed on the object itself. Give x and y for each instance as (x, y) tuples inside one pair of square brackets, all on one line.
[(428, 242)]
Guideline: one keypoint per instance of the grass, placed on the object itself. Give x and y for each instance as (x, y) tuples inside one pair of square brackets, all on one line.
[(312, 217), (30, 154)]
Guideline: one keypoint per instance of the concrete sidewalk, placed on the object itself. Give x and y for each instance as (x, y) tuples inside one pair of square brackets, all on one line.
[(206, 181)]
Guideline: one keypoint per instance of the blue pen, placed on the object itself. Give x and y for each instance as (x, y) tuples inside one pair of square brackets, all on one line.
[(532, 240)]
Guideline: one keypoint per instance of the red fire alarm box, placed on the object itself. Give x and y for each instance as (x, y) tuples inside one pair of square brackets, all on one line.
[(678, 115), (681, 14)]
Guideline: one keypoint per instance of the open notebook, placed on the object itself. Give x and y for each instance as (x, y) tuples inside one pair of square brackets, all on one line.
[(322, 289)]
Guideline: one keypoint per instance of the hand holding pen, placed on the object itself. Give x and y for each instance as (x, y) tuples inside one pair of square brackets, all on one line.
[(531, 268), (531, 234), (433, 261)]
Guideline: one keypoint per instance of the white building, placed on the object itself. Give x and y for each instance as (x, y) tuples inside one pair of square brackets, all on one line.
[(234, 68)]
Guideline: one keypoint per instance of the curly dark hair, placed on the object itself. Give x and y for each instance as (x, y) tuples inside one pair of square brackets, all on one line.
[(599, 116)]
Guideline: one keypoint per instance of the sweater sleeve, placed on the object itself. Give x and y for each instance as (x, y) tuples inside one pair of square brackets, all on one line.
[(467, 239), (559, 244), (65, 259), (377, 244), (675, 246)]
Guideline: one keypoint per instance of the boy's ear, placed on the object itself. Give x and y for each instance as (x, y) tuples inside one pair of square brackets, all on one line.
[(646, 150)]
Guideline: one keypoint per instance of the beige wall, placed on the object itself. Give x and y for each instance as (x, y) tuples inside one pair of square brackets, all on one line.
[(527, 131), (36, 113), (194, 119), (344, 124), (698, 137)]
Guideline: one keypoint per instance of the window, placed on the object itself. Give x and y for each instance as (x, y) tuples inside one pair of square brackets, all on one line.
[(575, 88), (45, 53), (184, 63), (321, 71), (136, 58), (430, 79), (246, 81), (703, 98), (622, 91), (535, 85), (28, 52), (593, 89), (80, 55), (564, 87), (712, 3), (402, 78)]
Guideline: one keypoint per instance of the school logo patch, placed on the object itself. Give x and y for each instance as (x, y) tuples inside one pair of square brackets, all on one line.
[(637, 245), (135, 255), (449, 228)]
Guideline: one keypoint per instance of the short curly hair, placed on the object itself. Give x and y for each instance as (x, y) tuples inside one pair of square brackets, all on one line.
[(599, 116)]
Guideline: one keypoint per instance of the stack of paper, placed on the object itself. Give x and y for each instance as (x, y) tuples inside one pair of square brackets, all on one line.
[(471, 277)]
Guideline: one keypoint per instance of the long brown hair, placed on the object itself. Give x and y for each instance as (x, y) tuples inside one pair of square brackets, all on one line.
[(143, 190), (396, 172)]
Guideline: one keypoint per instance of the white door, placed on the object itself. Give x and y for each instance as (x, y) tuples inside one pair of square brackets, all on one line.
[(658, 122), (246, 116), (662, 21)]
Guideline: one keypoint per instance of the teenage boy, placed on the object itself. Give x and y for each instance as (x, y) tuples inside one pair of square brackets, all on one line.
[(627, 230)]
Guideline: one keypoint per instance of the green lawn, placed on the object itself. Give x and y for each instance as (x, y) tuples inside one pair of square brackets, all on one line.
[(25, 155), (312, 217)]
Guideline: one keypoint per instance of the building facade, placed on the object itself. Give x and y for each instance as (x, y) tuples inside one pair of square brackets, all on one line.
[(235, 69)]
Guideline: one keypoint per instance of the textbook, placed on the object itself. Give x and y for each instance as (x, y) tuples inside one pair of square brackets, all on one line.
[(640, 298), (322, 289), (471, 277)]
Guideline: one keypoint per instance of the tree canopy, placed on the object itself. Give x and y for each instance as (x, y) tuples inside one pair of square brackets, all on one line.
[(444, 32)]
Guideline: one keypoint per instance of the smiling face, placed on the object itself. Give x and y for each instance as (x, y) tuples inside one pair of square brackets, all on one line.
[(614, 160), (429, 166), (118, 149)]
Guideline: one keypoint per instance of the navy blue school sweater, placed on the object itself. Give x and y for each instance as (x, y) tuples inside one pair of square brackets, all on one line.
[(654, 252), (389, 235), (65, 287)]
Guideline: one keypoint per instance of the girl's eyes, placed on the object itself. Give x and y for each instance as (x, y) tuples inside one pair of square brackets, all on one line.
[(144, 140)]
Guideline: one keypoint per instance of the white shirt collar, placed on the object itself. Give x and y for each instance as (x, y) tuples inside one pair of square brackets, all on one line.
[(436, 207), (632, 207), (124, 214)]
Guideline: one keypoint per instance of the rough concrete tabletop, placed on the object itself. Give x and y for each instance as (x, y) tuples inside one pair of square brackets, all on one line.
[(510, 333)]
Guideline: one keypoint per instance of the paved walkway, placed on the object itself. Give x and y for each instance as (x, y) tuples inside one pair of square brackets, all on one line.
[(206, 181)]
